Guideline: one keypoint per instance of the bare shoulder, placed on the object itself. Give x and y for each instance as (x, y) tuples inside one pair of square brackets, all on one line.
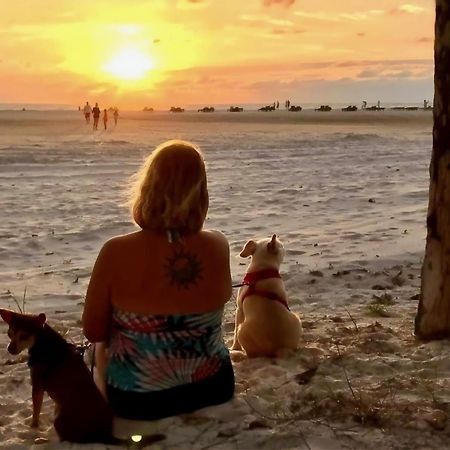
[(217, 237), (117, 243)]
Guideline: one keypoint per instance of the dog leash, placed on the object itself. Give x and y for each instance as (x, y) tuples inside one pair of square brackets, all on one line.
[(81, 349), (93, 360)]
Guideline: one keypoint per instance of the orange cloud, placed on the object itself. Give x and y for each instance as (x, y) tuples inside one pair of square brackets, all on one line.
[(408, 9), (425, 40), (204, 49), (286, 3)]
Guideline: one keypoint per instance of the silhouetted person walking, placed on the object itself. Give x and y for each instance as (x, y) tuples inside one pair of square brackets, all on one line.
[(105, 119), (96, 114), (87, 112)]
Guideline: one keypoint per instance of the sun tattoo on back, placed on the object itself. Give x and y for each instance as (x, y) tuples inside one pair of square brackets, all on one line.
[(183, 268)]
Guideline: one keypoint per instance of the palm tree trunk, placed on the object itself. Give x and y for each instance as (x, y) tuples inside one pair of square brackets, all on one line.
[(433, 315)]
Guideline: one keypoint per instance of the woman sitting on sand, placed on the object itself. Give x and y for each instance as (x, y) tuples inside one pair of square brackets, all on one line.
[(156, 296)]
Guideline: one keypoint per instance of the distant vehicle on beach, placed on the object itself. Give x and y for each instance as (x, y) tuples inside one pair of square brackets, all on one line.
[(376, 107), (235, 109), (350, 108), (324, 108), (176, 109), (147, 109), (267, 108), (207, 109), (293, 108), (405, 108)]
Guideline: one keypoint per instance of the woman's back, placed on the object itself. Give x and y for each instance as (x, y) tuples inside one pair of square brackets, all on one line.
[(156, 296), (150, 275)]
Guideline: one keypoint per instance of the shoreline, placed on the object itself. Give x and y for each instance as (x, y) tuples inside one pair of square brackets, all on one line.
[(391, 118)]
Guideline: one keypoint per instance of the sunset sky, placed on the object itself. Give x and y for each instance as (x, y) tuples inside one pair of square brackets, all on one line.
[(159, 53)]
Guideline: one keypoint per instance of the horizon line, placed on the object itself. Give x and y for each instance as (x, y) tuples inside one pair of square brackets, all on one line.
[(71, 107)]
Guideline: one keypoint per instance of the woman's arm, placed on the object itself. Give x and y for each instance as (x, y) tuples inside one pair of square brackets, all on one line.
[(224, 283), (97, 307)]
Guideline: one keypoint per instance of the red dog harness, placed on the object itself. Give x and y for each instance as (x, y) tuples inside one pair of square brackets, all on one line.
[(250, 280)]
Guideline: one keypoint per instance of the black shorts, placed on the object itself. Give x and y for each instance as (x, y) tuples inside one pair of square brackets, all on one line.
[(171, 402)]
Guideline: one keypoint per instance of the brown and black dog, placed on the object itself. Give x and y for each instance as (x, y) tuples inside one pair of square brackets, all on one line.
[(56, 367)]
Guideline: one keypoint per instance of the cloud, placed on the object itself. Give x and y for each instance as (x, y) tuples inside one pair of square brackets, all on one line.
[(356, 16), (425, 40), (387, 62), (408, 9), (385, 73), (362, 15), (61, 87), (284, 31), (395, 80), (286, 3), (272, 27), (281, 23), (346, 90), (279, 31), (326, 17), (395, 70), (368, 74), (397, 74)]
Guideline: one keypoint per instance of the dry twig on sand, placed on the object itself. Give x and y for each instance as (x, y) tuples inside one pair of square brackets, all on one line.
[(20, 308), (352, 319)]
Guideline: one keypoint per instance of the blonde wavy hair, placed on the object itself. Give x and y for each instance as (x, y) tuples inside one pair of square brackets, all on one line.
[(170, 190)]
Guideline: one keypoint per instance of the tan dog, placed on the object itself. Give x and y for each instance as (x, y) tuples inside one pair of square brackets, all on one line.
[(264, 324)]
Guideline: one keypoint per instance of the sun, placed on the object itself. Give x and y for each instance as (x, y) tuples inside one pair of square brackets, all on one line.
[(129, 64)]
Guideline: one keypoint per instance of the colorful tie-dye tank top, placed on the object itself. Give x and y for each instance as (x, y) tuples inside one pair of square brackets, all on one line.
[(155, 352)]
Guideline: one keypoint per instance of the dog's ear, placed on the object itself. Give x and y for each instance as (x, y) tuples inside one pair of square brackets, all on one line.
[(248, 250), (272, 245), (41, 319), (6, 315)]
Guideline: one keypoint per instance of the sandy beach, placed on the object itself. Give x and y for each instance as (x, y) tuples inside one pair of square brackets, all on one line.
[(347, 195)]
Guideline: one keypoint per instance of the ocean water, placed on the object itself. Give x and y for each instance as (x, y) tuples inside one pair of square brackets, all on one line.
[(336, 187)]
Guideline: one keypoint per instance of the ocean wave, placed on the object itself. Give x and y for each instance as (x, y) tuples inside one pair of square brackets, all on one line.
[(359, 136), (19, 159), (118, 142)]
